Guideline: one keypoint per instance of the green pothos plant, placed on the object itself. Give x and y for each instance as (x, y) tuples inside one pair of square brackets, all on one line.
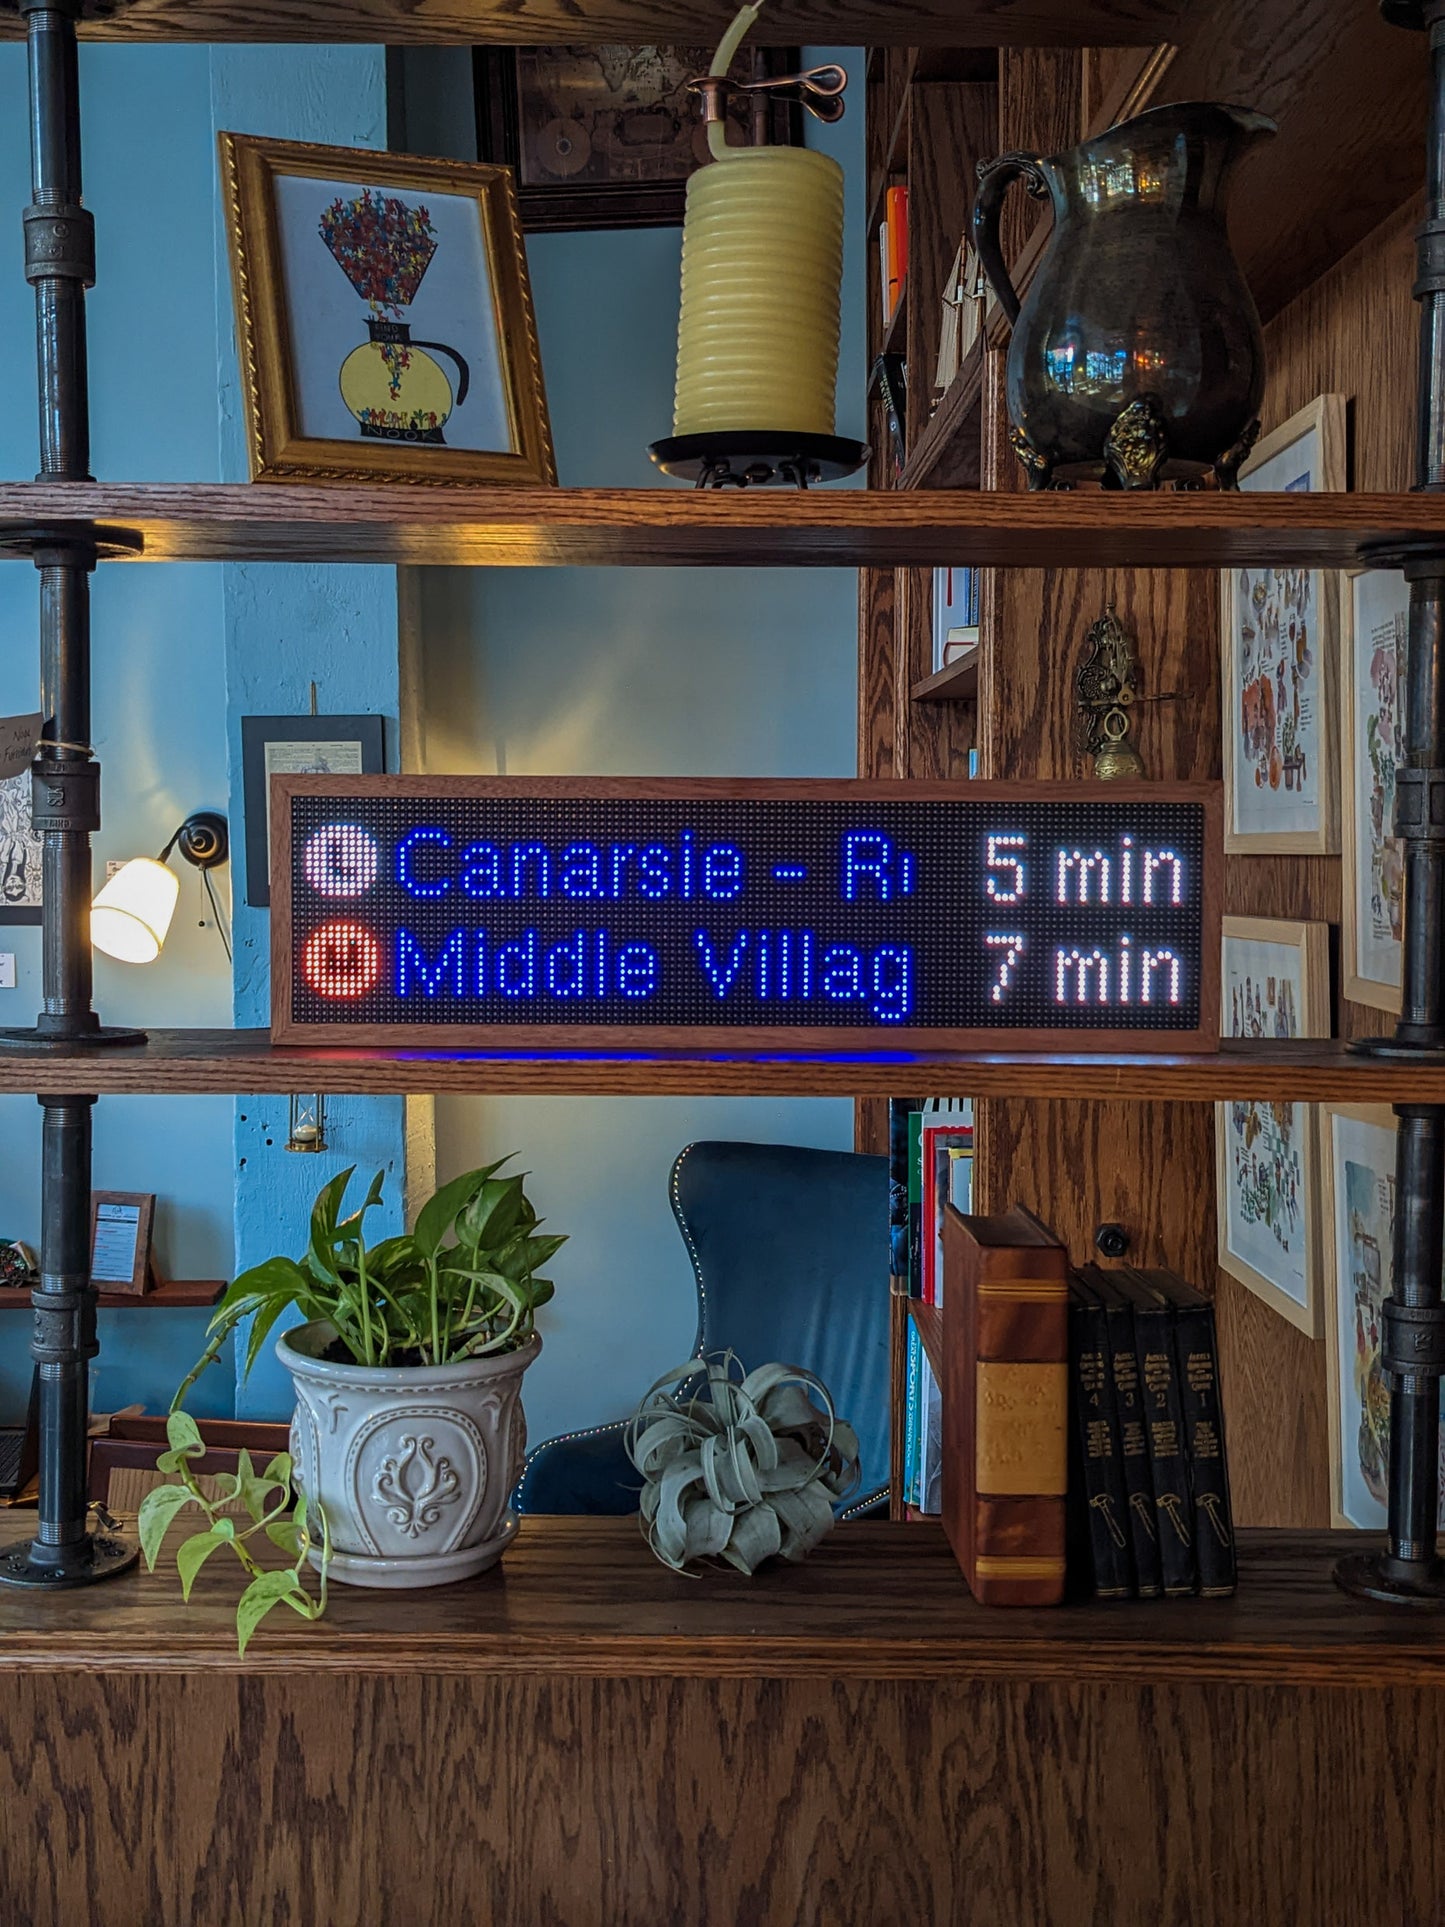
[(461, 1284)]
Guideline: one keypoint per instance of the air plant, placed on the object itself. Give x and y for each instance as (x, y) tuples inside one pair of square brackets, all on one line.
[(747, 1467)]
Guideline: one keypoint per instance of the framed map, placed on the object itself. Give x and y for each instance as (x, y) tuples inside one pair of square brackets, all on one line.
[(1374, 631), (1278, 651), (606, 137), (1274, 983)]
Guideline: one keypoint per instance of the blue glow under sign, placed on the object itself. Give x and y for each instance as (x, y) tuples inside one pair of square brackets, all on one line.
[(676, 910)]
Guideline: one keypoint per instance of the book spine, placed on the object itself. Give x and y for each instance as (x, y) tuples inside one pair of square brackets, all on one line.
[(896, 250), (1101, 1496), (885, 290), (1134, 1453), (898, 1109), (1196, 1356), (1164, 1426), (910, 1418), (915, 1204)]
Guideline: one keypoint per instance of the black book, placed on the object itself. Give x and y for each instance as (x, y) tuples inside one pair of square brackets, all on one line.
[(1164, 1429), (891, 380), (1196, 1357), (1133, 1440), (1101, 1503)]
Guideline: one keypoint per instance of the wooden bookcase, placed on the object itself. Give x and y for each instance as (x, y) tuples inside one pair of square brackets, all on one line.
[(686, 1749), (1330, 259)]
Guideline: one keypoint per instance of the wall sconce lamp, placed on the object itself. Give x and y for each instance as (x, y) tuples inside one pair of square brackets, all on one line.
[(307, 1128), (132, 913)]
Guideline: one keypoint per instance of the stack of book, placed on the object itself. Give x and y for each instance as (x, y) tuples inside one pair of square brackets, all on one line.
[(1082, 1424), (930, 1167), (1150, 1491)]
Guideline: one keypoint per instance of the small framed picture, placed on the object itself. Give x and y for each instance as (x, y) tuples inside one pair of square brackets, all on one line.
[(384, 317), (1275, 983), (21, 896), (1278, 650), (121, 1225), (606, 137), (1358, 1166), (295, 746), (1374, 635)]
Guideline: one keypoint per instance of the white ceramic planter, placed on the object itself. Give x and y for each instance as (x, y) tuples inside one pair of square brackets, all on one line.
[(412, 1463)]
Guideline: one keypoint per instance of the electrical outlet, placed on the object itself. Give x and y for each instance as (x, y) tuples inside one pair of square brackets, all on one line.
[(7, 969)]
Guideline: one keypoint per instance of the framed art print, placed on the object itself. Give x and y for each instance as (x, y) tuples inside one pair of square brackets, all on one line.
[(1358, 1166), (1274, 983), (606, 137), (20, 873), (121, 1227), (384, 317), (1278, 648), (297, 746), (1374, 633)]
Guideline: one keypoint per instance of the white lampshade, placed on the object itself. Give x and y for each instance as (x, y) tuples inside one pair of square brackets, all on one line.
[(131, 915)]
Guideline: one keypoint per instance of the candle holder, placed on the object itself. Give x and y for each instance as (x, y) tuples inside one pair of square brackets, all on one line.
[(762, 270), (764, 458)]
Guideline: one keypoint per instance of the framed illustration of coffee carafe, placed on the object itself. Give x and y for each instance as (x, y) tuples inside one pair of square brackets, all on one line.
[(384, 317)]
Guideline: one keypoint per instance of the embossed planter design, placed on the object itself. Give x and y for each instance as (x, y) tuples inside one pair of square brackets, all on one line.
[(414, 1464)]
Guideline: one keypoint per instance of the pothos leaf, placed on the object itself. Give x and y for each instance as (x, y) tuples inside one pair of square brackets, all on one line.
[(192, 1554), (257, 1600), (157, 1509)]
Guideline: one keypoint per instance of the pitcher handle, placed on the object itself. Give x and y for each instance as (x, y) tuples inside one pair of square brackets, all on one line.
[(464, 374), (994, 180)]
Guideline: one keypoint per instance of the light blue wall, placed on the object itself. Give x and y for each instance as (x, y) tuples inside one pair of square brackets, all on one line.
[(158, 680), (285, 630), (624, 671)]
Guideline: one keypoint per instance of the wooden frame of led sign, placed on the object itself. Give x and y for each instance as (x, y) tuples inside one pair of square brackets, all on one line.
[(935, 925)]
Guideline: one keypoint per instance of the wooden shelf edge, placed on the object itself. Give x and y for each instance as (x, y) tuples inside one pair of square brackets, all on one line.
[(177, 1294), (895, 335), (230, 1062), (585, 1597), (957, 681), (928, 1322)]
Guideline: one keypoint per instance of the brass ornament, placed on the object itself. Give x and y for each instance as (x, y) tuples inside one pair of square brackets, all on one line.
[(1137, 446), (1106, 687)]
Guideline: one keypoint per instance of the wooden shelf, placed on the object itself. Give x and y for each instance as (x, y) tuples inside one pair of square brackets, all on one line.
[(956, 682), (584, 1596), (195, 1062), (857, 23), (178, 1294), (849, 528), (949, 446), (928, 1320), (895, 335)]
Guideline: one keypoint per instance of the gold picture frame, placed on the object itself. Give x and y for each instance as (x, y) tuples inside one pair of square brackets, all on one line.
[(333, 233), (1307, 454), (1281, 1184)]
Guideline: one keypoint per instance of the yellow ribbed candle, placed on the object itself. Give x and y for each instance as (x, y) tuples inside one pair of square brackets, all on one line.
[(762, 271)]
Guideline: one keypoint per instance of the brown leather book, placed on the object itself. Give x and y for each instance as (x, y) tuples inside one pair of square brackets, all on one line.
[(1006, 1405)]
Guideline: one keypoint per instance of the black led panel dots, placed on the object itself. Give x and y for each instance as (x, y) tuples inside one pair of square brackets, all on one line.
[(1073, 914)]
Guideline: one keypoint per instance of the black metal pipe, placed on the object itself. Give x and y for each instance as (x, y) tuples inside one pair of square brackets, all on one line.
[(59, 240), (65, 1338), (1412, 1339)]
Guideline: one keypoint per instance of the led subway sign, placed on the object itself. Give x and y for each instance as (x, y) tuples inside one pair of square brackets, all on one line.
[(439, 910)]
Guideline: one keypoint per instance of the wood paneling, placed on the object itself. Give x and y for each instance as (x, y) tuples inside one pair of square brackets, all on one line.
[(783, 23), (1040, 112), (1349, 94), (409, 1799), (852, 528), (582, 1737), (1352, 333), (183, 1063)]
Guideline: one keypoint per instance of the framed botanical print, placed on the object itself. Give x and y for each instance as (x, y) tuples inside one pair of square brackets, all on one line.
[(1358, 1166), (606, 137), (1374, 633), (1274, 983), (384, 317), (1278, 650)]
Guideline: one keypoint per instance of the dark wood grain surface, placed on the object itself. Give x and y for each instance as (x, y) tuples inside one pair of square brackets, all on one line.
[(859, 23), (191, 1062), (174, 1295), (584, 1596), (279, 522)]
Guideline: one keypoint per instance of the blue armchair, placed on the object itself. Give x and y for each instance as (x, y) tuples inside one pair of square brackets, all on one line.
[(789, 1252)]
